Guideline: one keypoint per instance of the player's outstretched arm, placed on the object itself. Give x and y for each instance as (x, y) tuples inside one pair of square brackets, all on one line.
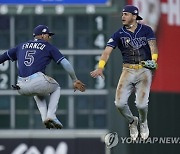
[(103, 60), (77, 84), (69, 69)]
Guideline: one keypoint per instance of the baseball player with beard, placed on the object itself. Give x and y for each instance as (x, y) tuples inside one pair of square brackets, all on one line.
[(137, 44), (32, 57)]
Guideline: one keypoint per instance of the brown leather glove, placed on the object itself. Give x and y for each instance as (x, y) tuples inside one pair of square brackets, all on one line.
[(78, 85)]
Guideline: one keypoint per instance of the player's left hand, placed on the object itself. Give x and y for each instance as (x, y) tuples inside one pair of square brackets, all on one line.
[(78, 85), (150, 64)]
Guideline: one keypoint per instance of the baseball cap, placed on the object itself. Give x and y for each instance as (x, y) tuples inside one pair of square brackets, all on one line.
[(132, 9), (41, 29)]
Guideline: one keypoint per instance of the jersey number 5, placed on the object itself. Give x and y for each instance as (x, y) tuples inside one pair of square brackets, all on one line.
[(29, 59)]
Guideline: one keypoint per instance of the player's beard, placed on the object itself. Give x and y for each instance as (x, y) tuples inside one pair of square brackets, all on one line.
[(129, 24)]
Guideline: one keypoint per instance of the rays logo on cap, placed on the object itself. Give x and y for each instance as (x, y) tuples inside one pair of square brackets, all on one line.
[(44, 30), (135, 11)]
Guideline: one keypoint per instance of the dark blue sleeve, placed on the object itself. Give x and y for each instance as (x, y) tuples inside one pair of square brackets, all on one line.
[(113, 41), (9, 55), (12, 53), (150, 34), (56, 54), (4, 57)]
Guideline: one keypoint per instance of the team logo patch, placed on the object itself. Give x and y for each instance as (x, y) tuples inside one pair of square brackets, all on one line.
[(127, 40), (110, 40)]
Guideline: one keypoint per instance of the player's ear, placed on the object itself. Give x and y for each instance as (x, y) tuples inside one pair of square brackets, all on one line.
[(134, 17)]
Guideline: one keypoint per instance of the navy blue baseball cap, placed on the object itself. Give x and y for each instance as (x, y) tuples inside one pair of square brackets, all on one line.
[(42, 29), (132, 9)]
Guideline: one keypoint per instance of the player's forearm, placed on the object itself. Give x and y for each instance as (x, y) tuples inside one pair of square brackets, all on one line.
[(104, 57), (154, 49), (69, 69), (106, 53)]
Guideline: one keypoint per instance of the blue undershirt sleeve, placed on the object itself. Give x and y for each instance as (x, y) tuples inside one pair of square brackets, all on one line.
[(68, 67)]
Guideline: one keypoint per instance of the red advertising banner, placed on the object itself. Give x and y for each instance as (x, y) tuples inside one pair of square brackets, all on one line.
[(164, 18)]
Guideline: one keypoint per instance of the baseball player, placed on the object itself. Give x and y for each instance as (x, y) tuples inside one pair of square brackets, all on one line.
[(137, 44), (32, 57)]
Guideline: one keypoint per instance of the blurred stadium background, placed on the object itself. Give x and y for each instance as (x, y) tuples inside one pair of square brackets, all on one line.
[(82, 29)]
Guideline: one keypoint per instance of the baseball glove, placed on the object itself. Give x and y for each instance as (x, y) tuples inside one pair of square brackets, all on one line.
[(78, 85), (150, 64)]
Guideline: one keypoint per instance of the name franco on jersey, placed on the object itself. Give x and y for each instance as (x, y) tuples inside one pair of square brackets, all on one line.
[(39, 45)]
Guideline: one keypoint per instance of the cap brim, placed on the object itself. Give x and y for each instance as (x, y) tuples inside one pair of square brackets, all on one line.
[(139, 18), (50, 33)]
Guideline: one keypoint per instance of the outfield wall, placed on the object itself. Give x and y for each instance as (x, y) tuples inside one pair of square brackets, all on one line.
[(53, 142)]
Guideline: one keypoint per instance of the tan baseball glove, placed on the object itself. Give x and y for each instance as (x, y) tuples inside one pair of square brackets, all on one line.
[(78, 85)]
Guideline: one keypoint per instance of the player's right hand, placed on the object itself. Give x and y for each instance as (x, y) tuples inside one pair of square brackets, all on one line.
[(97, 72), (78, 85)]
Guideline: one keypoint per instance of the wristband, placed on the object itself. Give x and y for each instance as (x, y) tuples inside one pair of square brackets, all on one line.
[(101, 64), (155, 56)]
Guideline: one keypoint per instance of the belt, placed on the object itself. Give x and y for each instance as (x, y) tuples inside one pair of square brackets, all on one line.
[(133, 66), (30, 77)]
